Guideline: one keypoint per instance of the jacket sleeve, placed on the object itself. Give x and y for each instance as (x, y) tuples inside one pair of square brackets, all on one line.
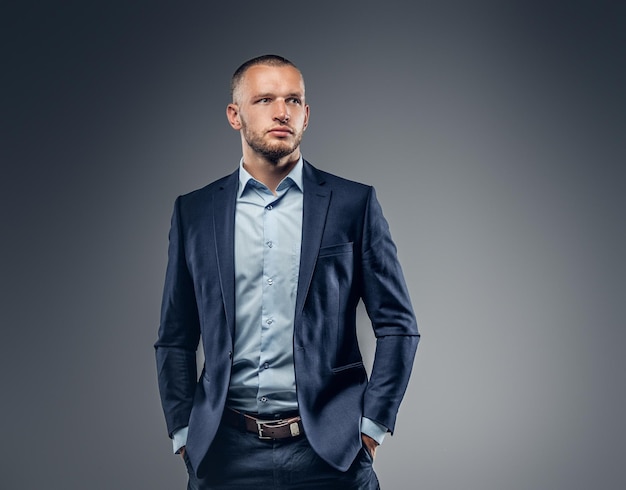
[(388, 305), (179, 332)]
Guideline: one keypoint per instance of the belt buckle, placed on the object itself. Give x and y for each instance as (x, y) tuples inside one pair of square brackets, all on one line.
[(259, 427)]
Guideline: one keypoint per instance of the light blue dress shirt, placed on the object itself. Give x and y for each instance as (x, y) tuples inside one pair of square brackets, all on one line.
[(268, 239)]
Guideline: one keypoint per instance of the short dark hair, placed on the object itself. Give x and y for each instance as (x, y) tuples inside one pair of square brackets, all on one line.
[(266, 59)]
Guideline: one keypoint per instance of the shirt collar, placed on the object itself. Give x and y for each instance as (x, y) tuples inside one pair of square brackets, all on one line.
[(295, 177)]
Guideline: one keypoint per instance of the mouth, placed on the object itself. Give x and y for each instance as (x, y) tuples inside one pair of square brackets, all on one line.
[(281, 131)]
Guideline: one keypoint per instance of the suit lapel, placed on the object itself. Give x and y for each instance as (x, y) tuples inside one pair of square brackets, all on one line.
[(224, 202), (315, 209)]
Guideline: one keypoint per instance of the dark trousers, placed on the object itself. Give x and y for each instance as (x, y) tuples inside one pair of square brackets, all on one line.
[(241, 460)]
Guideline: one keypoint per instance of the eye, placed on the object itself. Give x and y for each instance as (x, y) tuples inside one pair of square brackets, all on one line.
[(263, 100), (294, 100)]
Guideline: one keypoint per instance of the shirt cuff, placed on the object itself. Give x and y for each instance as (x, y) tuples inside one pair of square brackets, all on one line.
[(373, 429), (179, 439)]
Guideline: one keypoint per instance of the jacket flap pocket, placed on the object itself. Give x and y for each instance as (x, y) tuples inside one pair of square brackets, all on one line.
[(353, 365)]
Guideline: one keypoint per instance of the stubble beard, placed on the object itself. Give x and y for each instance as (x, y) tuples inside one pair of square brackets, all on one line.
[(273, 152)]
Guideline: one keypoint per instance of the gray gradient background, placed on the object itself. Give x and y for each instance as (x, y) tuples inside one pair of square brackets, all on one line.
[(494, 134)]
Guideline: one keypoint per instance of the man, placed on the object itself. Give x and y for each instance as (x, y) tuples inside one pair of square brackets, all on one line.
[(266, 268)]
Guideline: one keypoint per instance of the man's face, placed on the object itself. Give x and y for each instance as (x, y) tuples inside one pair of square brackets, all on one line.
[(270, 111)]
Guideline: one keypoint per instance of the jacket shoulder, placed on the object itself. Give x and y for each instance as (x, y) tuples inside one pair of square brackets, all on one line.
[(205, 193), (336, 182)]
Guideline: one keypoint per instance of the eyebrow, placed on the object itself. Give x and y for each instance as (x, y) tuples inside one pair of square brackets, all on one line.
[(299, 95)]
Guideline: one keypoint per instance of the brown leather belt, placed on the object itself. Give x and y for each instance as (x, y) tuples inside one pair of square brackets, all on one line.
[(263, 427)]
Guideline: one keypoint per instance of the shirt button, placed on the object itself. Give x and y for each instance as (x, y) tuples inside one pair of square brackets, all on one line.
[(269, 321), (266, 365), (269, 244), (263, 399), (269, 207), (270, 281)]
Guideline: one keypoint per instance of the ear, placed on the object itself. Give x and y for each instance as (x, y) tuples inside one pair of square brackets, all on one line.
[(232, 113), (306, 116)]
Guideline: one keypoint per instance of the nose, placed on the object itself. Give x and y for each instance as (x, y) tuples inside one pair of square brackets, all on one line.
[(282, 112)]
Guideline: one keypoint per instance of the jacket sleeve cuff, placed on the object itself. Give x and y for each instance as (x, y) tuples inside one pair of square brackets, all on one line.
[(179, 439), (373, 429)]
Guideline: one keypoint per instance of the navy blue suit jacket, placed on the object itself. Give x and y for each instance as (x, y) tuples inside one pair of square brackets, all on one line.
[(347, 255)]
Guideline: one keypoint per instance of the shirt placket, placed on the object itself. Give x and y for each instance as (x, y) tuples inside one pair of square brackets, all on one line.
[(269, 305)]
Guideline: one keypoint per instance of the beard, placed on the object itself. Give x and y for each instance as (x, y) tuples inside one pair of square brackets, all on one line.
[(272, 151)]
